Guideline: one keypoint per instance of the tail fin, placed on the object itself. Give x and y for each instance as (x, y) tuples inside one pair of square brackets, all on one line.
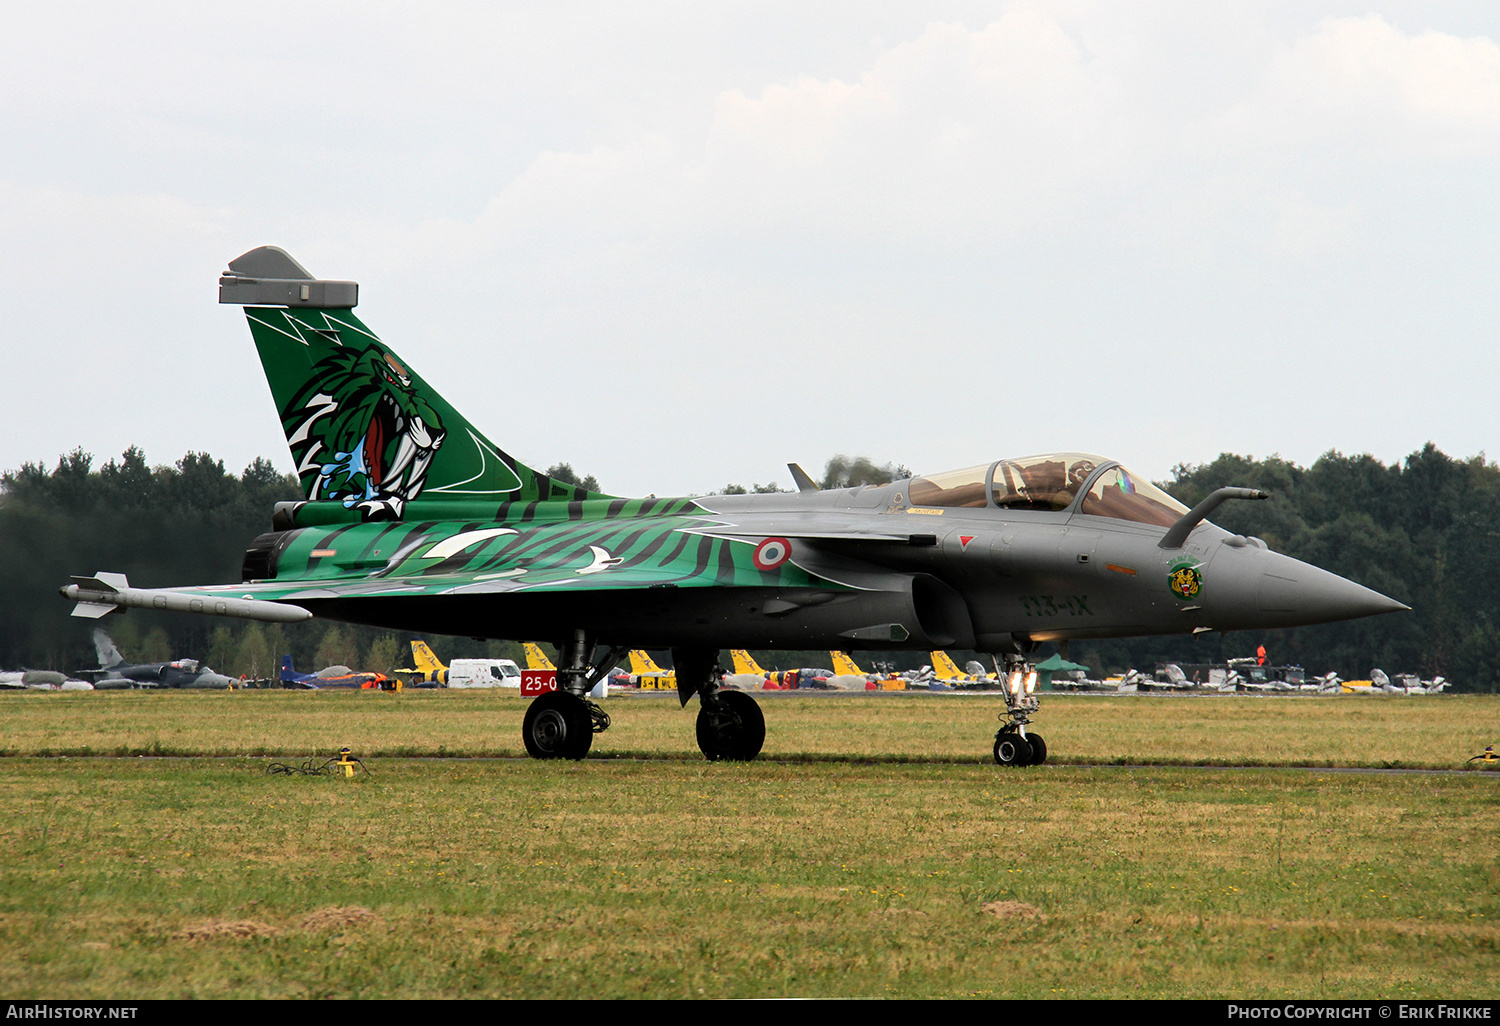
[(743, 663), (363, 428), (423, 659), (944, 668), (536, 659), (287, 670), (641, 663), (104, 648), (844, 666)]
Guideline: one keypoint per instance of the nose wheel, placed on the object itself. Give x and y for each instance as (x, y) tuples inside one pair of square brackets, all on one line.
[(1011, 749), (1014, 744)]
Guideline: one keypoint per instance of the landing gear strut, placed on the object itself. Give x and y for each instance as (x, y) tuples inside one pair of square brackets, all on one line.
[(561, 724), (1014, 744), (730, 726)]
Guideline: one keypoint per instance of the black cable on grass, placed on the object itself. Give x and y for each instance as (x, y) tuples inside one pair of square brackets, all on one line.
[(344, 762)]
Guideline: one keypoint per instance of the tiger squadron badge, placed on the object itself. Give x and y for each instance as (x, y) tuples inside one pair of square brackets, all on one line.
[(1185, 578)]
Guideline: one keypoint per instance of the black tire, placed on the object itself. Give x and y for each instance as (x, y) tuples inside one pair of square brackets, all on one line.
[(557, 726), (1038, 749), (731, 727), (1012, 750)]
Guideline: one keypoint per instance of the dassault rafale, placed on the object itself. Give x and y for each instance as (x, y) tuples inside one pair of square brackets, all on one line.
[(414, 520)]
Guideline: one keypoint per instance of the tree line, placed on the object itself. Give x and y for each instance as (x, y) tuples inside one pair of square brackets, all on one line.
[(1425, 531), (188, 523)]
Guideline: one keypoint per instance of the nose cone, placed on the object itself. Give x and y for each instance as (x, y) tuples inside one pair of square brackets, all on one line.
[(1304, 594), (1266, 589)]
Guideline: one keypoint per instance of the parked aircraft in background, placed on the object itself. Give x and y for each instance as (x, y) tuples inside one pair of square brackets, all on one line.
[(330, 677), (945, 669), (426, 669), (847, 676), (536, 659), (415, 520), (645, 673), (746, 674), (115, 673), (41, 680)]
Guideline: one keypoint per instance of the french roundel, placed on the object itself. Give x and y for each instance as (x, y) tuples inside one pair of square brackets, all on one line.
[(771, 553)]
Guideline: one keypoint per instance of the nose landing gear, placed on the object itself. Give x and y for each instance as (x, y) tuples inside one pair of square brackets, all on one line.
[(1014, 746)]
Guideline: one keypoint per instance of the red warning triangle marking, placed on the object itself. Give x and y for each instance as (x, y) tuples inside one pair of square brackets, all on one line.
[(964, 539)]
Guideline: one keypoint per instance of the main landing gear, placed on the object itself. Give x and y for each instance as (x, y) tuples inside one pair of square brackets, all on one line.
[(561, 724), (731, 726), (1014, 744)]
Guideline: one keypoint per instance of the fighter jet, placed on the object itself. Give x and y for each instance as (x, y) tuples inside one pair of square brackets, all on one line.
[(414, 520), (116, 674)]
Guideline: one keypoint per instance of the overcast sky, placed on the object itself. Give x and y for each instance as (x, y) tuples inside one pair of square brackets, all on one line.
[(680, 244)]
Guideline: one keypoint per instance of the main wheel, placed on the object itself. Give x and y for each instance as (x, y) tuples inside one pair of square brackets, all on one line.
[(731, 727), (557, 726), (1012, 750), (1038, 749)]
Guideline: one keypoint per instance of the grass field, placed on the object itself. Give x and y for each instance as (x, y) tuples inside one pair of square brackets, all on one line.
[(874, 851)]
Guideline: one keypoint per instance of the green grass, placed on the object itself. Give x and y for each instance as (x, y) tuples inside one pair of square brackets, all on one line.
[(1434, 731), (864, 871)]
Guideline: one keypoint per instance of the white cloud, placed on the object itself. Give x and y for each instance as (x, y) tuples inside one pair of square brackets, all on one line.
[(1364, 85)]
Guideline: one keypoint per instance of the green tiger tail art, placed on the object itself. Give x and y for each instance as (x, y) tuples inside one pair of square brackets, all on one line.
[(368, 432)]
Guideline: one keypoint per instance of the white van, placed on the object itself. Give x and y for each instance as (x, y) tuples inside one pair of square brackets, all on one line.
[(484, 673)]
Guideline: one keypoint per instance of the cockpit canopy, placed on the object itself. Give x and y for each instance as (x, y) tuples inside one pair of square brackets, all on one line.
[(1051, 483)]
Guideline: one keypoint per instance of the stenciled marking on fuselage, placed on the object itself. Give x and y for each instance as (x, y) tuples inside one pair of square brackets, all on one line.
[(1046, 605)]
